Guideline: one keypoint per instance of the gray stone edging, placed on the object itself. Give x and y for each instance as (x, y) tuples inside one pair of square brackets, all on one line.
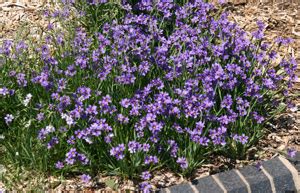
[(276, 175), (280, 175)]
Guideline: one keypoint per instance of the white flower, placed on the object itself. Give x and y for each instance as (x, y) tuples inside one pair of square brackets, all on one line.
[(27, 99), (69, 120), (88, 140), (29, 96), (64, 116), (25, 102), (50, 129), (8, 118), (110, 134)]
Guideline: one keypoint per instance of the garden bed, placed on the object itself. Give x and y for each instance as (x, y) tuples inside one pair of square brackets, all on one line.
[(283, 133)]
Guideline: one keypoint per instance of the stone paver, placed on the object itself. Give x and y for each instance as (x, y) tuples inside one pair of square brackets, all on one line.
[(207, 184), (282, 177), (275, 175), (232, 182), (259, 183)]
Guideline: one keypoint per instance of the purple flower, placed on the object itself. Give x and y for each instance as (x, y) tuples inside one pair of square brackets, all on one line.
[(150, 117), (258, 165), (64, 101), (84, 93), (226, 102), (106, 100), (62, 83), (243, 139), (71, 140), (59, 165), (40, 116), (82, 158), (178, 128), (199, 126), (260, 24), (145, 147), (291, 152), (122, 119), (182, 162), (125, 103), (151, 159), (55, 96), (155, 127), (21, 79), (52, 142), (146, 175), (108, 138), (259, 33), (45, 131), (91, 110), (269, 83), (258, 118), (173, 147), (72, 153), (134, 146), (222, 2), (70, 161), (62, 129), (85, 178), (145, 187), (81, 61), (4, 91), (71, 71), (118, 152), (284, 41)]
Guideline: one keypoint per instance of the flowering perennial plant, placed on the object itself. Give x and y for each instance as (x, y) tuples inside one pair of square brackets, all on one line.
[(165, 85)]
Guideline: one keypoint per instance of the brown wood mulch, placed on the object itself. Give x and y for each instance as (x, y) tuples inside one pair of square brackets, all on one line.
[(20, 20), (282, 20)]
